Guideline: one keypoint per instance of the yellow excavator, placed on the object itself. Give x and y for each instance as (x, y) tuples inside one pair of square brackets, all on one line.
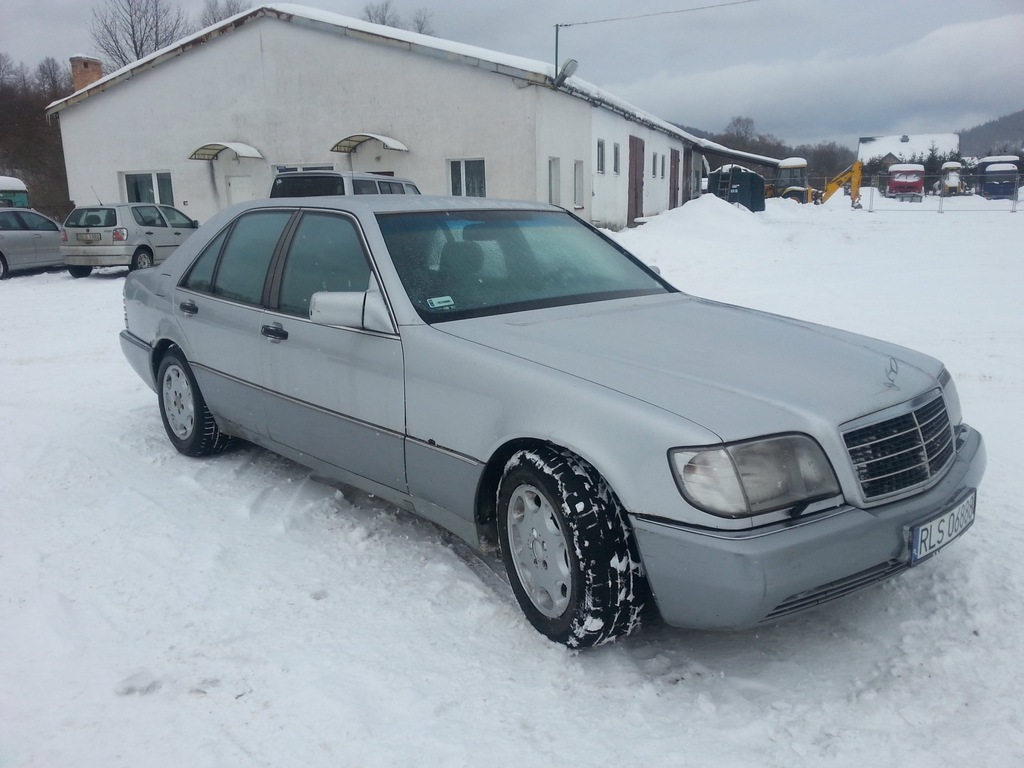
[(791, 183), (851, 176)]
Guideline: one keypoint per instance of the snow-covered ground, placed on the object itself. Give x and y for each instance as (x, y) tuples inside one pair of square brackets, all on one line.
[(160, 611)]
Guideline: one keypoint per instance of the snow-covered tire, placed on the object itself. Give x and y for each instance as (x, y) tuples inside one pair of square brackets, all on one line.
[(568, 549), (187, 421)]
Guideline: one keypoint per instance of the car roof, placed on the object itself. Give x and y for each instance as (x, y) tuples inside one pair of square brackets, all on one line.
[(23, 209), (341, 174), (371, 204)]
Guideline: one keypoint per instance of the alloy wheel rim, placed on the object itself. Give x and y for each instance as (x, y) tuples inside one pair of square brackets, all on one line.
[(179, 405), (540, 551)]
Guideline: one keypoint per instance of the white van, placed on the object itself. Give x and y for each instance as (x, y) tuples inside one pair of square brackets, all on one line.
[(322, 183)]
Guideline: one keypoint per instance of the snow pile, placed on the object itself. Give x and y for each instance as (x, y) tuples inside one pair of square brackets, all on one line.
[(160, 611)]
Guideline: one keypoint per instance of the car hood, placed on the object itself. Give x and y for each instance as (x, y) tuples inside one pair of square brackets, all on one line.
[(736, 372)]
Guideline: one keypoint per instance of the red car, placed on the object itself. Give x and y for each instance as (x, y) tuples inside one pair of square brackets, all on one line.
[(906, 182)]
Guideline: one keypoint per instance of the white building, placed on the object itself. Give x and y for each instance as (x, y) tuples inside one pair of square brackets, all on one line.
[(208, 121), (901, 149)]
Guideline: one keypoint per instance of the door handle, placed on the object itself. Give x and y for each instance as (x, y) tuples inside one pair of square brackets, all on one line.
[(188, 307), (274, 332)]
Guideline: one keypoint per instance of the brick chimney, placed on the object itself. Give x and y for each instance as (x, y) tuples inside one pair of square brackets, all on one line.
[(85, 70)]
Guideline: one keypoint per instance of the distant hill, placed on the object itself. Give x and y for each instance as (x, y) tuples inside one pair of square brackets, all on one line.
[(999, 136)]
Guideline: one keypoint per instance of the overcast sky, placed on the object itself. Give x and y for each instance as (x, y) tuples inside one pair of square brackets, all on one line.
[(806, 71)]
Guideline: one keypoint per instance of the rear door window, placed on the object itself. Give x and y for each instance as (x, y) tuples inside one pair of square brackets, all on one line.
[(234, 265), (37, 223)]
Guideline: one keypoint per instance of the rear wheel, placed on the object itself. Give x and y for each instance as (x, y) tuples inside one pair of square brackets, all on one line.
[(142, 259), (187, 420), (77, 271), (5, 271), (568, 549)]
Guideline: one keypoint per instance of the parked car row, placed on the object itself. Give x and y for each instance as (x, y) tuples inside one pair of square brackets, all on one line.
[(140, 235), (133, 235)]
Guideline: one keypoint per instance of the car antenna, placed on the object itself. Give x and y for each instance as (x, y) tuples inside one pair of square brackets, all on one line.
[(95, 193)]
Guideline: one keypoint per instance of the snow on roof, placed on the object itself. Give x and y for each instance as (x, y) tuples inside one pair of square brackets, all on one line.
[(907, 146), (10, 184), (906, 167), (538, 72)]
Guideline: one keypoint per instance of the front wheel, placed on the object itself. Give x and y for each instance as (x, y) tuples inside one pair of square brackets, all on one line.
[(187, 421), (568, 549)]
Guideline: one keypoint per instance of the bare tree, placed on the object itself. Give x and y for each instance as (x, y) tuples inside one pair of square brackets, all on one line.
[(53, 79), (6, 67), (218, 10), (127, 30), (382, 13), (422, 22), (30, 145)]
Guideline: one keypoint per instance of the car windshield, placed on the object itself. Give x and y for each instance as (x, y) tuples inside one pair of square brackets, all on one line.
[(92, 217), (458, 264)]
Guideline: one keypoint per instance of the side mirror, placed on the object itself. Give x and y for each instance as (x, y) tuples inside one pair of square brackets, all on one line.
[(195, 223), (351, 309)]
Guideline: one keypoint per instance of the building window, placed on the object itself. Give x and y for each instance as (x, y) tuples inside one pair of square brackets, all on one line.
[(468, 178), (615, 158), (554, 181), (663, 166), (654, 165), (577, 184), (153, 187), (600, 155)]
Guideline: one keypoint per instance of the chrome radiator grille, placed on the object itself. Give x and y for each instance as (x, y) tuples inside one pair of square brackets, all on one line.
[(902, 453)]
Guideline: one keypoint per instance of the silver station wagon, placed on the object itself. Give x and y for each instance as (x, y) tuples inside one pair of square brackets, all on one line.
[(508, 372), (133, 235)]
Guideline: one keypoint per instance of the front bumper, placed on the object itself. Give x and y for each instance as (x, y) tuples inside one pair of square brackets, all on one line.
[(735, 580)]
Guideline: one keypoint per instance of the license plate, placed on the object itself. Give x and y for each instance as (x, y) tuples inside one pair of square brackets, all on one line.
[(89, 237), (928, 538)]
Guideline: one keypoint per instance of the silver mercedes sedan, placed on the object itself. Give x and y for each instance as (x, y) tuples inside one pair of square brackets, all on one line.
[(508, 372)]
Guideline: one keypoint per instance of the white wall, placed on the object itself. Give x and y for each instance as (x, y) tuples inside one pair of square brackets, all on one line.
[(292, 91)]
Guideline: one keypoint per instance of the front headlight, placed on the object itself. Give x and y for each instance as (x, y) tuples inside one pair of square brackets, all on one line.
[(751, 478)]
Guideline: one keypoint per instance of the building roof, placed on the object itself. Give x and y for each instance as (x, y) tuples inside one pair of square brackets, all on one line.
[(530, 70), (906, 146)]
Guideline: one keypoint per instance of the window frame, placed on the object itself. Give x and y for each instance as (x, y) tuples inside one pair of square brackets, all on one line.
[(578, 185), (160, 187), (462, 166)]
